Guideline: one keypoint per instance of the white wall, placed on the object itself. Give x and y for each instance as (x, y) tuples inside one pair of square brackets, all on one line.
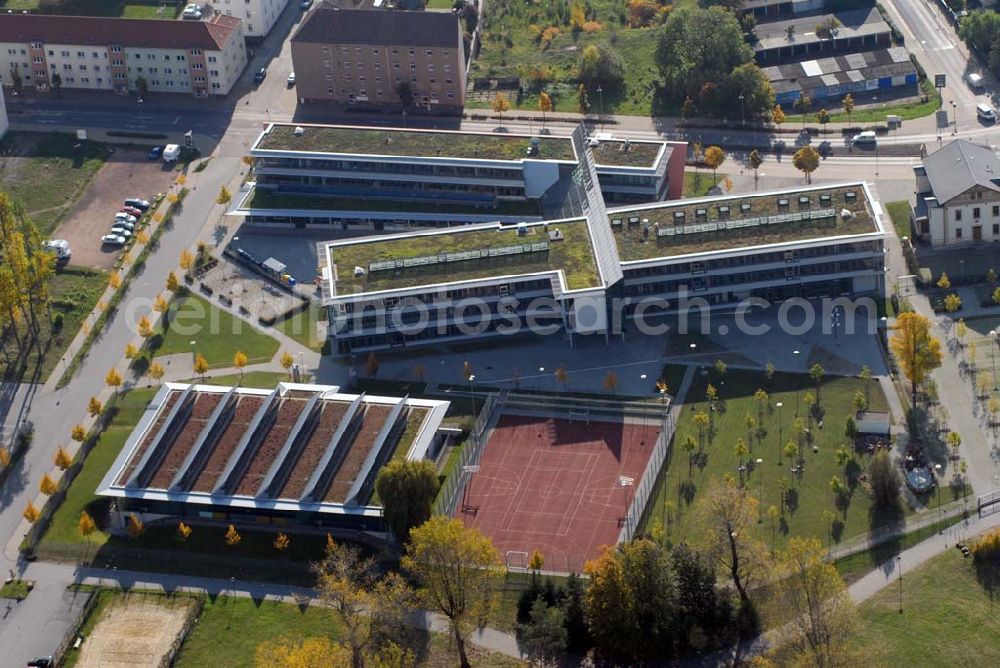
[(258, 16), (4, 122)]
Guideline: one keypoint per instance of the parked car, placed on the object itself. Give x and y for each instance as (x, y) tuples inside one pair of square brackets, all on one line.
[(124, 223), (42, 662), (60, 248), (866, 137), (131, 210), (124, 217), (140, 204), (259, 75), (113, 240), (155, 153), (192, 11), (986, 113), (306, 4), (121, 231), (291, 79)]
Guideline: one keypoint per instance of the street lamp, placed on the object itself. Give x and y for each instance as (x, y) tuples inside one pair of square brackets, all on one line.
[(472, 392), (937, 470), (743, 120), (796, 353), (779, 405), (600, 91), (899, 567), (760, 500), (993, 361)]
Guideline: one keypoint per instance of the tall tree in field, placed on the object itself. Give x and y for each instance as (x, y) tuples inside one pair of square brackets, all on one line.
[(714, 157), (369, 607), (240, 361), (915, 347), (755, 162), (200, 365), (407, 490), (459, 574), (544, 636), (728, 515), (632, 601), (806, 160), (810, 596), (698, 46), (848, 104)]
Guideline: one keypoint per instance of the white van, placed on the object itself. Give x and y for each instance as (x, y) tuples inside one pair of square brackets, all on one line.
[(986, 113), (866, 137), (976, 82), (171, 152)]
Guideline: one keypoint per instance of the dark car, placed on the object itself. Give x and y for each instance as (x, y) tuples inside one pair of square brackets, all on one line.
[(155, 153), (42, 662), (259, 76)]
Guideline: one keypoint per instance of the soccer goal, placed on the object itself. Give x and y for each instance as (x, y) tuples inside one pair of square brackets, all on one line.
[(516, 561)]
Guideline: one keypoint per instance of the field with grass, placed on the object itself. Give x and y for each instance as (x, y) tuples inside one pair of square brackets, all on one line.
[(900, 214), (698, 183), (74, 292), (508, 49), (48, 172), (876, 113), (140, 11), (807, 498), (197, 326), (302, 326), (949, 616)]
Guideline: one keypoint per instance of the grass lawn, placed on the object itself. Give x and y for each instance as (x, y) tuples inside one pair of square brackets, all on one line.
[(949, 616), (900, 214), (230, 629), (266, 380), (47, 173), (74, 292), (62, 531), (439, 4), (302, 326), (698, 183), (808, 495), (167, 12), (199, 327), (16, 589)]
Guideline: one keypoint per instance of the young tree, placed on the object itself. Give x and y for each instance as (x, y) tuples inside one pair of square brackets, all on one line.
[(600, 66), (885, 480), (224, 197), (232, 536), (63, 460), (135, 526), (78, 433), (582, 100), (802, 105), (186, 259), (943, 281), (954, 440), (701, 421), (823, 117), (810, 596), (240, 361), (94, 407), (952, 302), (287, 361), (728, 514), (755, 162), (459, 572), (714, 157), (632, 600), (172, 282), (4, 457), (544, 636), (281, 542), (611, 381), (816, 373), (183, 531), (806, 160), (156, 371), (47, 485), (57, 84), (200, 365), (145, 327), (405, 93), (544, 105), (86, 525), (131, 352), (371, 365), (500, 105), (917, 350), (778, 115), (115, 281), (689, 445), (31, 513), (848, 105), (406, 490)]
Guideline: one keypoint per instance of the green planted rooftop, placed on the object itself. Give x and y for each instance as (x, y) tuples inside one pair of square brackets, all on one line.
[(614, 154), (749, 221), (265, 198), (572, 254), (413, 143)]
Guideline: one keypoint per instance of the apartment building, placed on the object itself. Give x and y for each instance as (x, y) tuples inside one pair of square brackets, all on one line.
[(595, 275), (200, 58), (259, 16), (958, 196), (365, 57), (355, 178)]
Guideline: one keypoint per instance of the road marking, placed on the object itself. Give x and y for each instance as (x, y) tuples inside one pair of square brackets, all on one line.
[(177, 120)]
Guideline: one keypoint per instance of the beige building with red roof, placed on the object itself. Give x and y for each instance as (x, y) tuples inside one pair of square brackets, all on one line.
[(199, 58)]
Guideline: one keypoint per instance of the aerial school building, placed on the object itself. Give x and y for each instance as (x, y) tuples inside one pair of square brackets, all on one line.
[(595, 271)]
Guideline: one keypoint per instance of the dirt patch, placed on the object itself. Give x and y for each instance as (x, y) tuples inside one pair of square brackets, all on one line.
[(137, 630), (128, 173)]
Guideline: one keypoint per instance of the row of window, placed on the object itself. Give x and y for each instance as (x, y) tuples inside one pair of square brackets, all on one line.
[(413, 80), (976, 213), (375, 50), (346, 65), (378, 93), (386, 167)]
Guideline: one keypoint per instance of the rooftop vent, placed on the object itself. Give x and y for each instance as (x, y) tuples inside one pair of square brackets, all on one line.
[(359, 272), (299, 131), (556, 235), (846, 214), (522, 229)]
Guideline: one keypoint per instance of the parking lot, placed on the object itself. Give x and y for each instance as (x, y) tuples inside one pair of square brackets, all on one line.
[(127, 173)]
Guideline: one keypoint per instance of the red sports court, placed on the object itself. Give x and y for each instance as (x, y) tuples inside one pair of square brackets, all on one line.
[(559, 486)]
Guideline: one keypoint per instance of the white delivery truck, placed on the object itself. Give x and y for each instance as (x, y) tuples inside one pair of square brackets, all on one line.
[(171, 152)]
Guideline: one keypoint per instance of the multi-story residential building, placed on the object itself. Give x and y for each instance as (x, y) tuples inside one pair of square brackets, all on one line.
[(958, 196), (365, 57), (258, 16), (595, 274), (200, 58), (352, 178)]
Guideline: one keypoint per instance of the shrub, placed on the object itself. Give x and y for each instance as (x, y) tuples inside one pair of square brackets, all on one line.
[(987, 546)]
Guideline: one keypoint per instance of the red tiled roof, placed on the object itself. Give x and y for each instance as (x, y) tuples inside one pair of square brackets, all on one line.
[(104, 31)]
